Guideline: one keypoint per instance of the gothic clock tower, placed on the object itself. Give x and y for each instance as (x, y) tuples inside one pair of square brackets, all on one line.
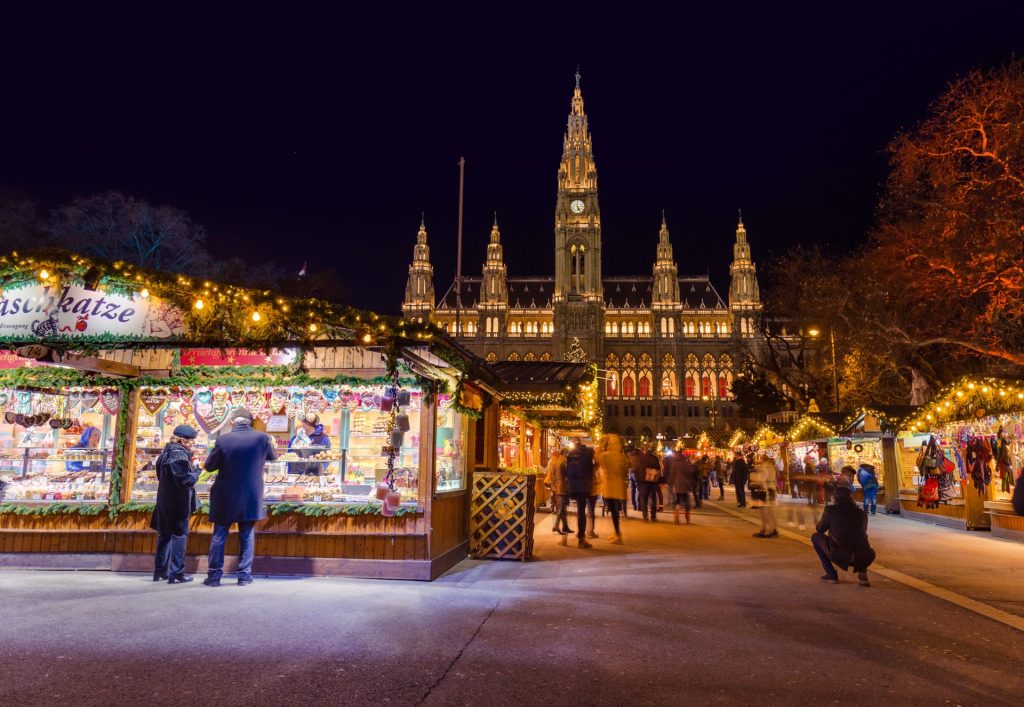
[(578, 296)]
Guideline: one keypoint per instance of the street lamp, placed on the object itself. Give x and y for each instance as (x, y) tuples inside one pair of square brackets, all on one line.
[(714, 409), (814, 332)]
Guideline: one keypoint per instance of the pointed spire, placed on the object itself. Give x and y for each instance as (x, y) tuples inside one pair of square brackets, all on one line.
[(423, 219), (741, 217), (495, 233), (663, 235), (421, 235), (578, 76), (495, 219), (663, 218)]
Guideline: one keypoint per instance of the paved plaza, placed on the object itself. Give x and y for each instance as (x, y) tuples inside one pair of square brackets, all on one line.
[(699, 614)]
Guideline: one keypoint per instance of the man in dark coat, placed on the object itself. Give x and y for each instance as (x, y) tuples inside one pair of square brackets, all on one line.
[(683, 479), (579, 481), (842, 538), (175, 502), (648, 479), (237, 492), (740, 474)]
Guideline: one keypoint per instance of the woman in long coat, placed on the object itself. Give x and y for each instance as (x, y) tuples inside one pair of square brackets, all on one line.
[(175, 502), (614, 467)]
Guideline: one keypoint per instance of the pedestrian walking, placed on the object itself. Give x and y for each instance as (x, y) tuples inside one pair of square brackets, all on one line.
[(739, 477), (720, 479), (176, 500), (236, 496), (703, 481), (614, 467), (842, 539), (826, 485), (634, 458), (579, 479), (869, 486), (648, 480), (597, 489), (763, 488), (555, 479), (683, 480)]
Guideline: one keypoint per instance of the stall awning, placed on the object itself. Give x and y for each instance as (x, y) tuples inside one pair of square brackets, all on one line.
[(540, 376)]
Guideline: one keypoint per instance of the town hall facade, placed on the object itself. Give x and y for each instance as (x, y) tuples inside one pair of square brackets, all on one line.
[(668, 347)]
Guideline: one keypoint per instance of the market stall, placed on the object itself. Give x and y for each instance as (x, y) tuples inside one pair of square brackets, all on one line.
[(378, 422), (961, 456)]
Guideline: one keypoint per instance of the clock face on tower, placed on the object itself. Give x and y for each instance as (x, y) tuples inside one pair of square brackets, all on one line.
[(577, 206)]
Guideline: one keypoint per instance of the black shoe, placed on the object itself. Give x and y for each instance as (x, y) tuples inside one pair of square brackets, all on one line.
[(760, 534), (180, 579), (211, 582), (773, 534), (159, 576), (243, 581), (833, 578)]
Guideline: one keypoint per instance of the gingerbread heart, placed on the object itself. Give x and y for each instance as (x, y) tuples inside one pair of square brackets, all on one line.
[(330, 394), (154, 400), (110, 399), (185, 409), (89, 399), (4, 397), (210, 417), (187, 394), (204, 397)]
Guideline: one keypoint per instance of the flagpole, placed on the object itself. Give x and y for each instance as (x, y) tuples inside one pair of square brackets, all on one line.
[(458, 257)]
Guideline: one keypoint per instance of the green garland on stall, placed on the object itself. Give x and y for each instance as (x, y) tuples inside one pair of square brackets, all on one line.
[(320, 510), (457, 406), (53, 509)]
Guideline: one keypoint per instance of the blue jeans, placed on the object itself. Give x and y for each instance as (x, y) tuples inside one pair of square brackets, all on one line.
[(170, 554), (246, 536), (870, 499)]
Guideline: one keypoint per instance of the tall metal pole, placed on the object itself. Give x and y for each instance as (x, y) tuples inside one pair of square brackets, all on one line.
[(835, 374), (458, 257)]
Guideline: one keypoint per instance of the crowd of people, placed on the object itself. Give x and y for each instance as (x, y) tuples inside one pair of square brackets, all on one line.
[(610, 471)]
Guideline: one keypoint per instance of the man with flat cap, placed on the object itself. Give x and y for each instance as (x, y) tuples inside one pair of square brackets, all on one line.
[(237, 493), (176, 500)]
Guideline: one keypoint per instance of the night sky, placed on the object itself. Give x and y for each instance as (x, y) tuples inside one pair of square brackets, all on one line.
[(322, 137)]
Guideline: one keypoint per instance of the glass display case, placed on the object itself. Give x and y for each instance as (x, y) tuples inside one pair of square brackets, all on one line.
[(56, 446), (342, 466), (450, 447)]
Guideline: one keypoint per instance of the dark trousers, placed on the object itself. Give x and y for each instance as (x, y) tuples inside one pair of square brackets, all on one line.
[(632, 493), (648, 498), (721, 487), (613, 506), (246, 549), (562, 508), (821, 547), (170, 554), (581, 514), (741, 494)]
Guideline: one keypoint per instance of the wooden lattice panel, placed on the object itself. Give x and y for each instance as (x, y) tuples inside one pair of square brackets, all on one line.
[(501, 516)]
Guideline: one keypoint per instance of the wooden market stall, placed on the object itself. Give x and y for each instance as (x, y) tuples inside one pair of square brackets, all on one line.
[(103, 360), (961, 455)]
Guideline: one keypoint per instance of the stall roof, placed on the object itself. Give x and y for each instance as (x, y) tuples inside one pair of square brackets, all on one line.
[(540, 376), (889, 416)]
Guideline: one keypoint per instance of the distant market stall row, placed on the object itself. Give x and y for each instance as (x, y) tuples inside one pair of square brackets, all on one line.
[(100, 361), (954, 462)]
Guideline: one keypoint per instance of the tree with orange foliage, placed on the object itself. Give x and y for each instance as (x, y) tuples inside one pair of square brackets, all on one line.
[(943, 277)]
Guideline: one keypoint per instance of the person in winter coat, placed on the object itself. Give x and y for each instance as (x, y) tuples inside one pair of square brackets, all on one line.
[(703, 481), (683, 479), (740, 473), (826, 480), (559, 494), (720, 477), (237, 493), (634, 458), (763, 488), (579, 478), (648, 475), (842, 539), (175, 502), (868, 480), (312, 440), (614, 467)]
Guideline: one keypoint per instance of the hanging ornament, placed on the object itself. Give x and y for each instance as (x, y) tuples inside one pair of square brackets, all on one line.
[(187, 394)]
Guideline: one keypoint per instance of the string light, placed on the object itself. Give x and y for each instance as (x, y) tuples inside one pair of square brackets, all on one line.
[(44, 274), (199, 304), (256, 316), (144, 293)]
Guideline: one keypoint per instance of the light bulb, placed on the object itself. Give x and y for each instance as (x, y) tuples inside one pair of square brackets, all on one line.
[(44, 274), (199, 304), (144, 293), (312, 327), (256, 316)]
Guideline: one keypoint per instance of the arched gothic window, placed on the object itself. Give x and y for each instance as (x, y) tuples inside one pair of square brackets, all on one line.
[(692, 377), (513, 356), (530, 356)]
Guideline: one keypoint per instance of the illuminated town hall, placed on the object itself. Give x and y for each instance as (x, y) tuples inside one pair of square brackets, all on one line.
[(668, 345)]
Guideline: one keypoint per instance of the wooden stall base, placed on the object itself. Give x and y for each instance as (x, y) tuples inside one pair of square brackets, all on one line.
[(1005, 522), (262, 565)]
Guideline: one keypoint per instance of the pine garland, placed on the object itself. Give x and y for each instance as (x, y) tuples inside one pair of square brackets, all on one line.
[(53, 509)]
